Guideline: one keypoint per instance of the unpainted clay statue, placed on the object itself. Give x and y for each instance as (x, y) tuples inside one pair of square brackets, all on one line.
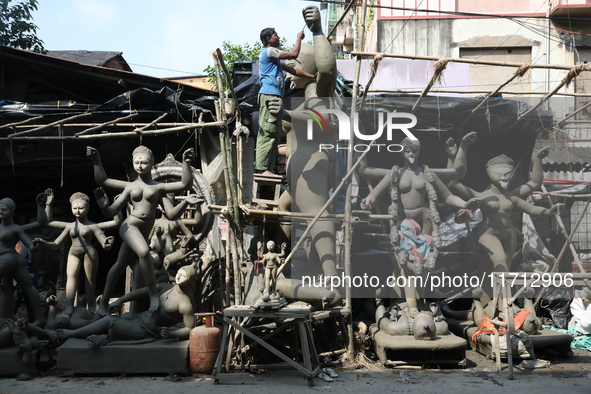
[(82, 234), (409, 197), (12, 263), (308, 169), (272, 261), (496, 233), (426, 323), (174, 319), (144, 194)]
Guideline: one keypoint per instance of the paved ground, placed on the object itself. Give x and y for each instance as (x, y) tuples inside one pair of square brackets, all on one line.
[(571, 375)]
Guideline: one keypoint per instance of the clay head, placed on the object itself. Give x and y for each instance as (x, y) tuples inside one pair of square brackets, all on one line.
[(79, 196), (411, 150), (9, 204), (270, 246), (80, 204), (530, 324), (499, 170), (143, 160), (186, 275)]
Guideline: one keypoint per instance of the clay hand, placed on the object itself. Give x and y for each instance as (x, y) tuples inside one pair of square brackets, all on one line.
[(165, 332), (50, 196), (101, 198), (312, 18), (109, 242), (555, 209), (275, 105), (189, 155), (157, 230), (366, 204), (115, 307), (38, 242), (51, 300), (473, 203), (450, 148), (470, 138), (92, 153), (194, 199), (41, 199), (283, 246), (543, 152)]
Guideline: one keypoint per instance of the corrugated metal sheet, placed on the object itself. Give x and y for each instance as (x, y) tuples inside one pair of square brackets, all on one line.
[(566, 158)]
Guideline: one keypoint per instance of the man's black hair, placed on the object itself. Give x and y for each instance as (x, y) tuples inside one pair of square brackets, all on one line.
[(266, 34)]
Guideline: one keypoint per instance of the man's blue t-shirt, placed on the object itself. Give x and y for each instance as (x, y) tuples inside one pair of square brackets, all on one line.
[(271, 78)]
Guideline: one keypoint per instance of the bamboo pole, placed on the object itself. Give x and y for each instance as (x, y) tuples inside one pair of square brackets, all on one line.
[(155, 121), (347, 8), (230, 190), (351, 351), (109, 123), (22, 122), (567, 117), (572, 74), (123, 134), (520, 72), (439, 68), (460, 91), (50, 125), (462, 60)]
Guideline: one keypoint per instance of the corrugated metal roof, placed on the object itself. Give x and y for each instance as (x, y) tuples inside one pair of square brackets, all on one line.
[(565, 157)]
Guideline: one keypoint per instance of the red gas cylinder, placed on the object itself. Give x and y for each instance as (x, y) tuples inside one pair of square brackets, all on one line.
[(204, 344)]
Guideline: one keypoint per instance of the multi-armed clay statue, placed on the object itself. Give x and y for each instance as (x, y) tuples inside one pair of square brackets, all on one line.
[(144, 194), (82, 234), (496, 233)]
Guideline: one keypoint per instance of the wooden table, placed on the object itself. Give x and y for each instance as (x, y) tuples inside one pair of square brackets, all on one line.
[(297, 316)]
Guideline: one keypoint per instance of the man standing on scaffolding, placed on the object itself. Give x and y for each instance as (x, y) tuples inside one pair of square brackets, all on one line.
[(272, 85)]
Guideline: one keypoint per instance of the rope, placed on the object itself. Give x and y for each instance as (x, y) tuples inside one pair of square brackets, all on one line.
[(573, 73)]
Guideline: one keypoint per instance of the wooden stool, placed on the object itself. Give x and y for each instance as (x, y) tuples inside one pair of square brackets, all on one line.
[(270, 180), (295, 315)]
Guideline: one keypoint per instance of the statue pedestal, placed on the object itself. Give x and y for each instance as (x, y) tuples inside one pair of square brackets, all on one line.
[(78, 356), (405, 349), (11, 362)]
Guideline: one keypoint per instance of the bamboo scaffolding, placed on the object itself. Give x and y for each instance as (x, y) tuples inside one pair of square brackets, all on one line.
[(50, 125), (155, 121), (572, 74), (567, 117), (123, 134), (519, 73), (100, 126), (462, 60)]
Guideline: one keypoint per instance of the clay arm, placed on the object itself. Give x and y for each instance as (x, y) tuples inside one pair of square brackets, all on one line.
[(25, 239), (323, 54), (41, 215), (454, 201), (296, 71), (536, 177), (100, 176), (106, 242), (55, 245), (459, 168), (186, 175), (103, 202), (295, 51), (532, 209), (134, 295), (173, 212), (283, 249)]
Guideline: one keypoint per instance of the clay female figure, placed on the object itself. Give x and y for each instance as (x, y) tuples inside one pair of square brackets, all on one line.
[(12, 263), (82, 233), (496, 234), (308, 169), (272, 261), (174, 319), (144, 194)]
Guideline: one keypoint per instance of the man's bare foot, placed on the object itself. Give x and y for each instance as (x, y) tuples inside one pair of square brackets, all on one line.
[(97, 340), (269, 173)]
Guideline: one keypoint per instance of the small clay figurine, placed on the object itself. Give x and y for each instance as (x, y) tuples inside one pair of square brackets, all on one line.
[(272, 261)]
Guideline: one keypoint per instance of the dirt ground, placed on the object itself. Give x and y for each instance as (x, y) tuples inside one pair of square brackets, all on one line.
[(572, 375)]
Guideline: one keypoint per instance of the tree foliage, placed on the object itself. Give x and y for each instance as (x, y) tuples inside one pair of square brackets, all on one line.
[(16, 25), (233, 53)]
